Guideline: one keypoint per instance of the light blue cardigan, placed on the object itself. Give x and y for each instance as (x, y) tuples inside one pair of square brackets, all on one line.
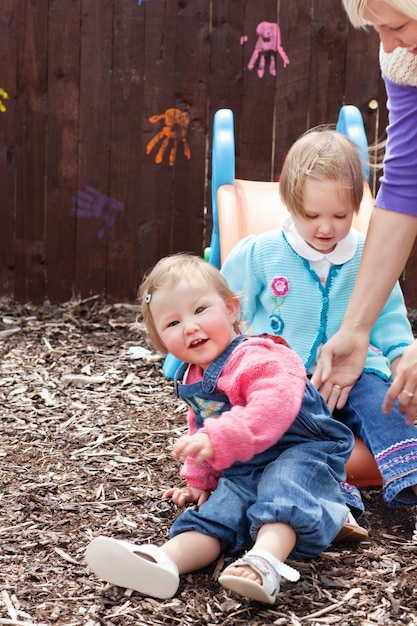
[(282, 295)]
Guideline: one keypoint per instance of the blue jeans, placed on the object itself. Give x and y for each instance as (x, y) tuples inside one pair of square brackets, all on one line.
[(391, 441), (296, 482)]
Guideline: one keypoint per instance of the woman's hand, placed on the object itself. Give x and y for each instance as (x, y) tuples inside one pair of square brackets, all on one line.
[(404, 385), (341, 362), (182, 495), (197, 445)]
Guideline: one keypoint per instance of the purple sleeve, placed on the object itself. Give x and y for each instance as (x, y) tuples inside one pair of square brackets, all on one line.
[(398, 191)]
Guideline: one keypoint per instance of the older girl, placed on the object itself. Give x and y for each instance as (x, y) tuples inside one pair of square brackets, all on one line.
[(297, 281)]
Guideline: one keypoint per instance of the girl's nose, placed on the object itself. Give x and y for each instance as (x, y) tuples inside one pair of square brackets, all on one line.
[(325, 227), (189, 325)]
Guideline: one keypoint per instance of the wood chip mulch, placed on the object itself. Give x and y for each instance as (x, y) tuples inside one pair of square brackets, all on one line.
[(85, 438)]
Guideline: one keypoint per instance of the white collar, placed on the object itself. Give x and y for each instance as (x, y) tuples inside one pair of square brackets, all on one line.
[(342, 253)]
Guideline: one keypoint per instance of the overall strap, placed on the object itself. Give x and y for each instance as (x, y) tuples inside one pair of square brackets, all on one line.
[(212, 373), (179, 375)]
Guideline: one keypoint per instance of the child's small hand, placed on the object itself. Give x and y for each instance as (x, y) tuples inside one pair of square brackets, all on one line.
[(197, 445), (182, 495)]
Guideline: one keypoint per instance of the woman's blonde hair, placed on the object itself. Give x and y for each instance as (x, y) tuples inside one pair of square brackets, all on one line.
[(167, 273), (321, 154), (357, 8)]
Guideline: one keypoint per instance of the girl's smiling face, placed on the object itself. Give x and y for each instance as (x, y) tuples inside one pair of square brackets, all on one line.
[(193, 321), (395, 29)]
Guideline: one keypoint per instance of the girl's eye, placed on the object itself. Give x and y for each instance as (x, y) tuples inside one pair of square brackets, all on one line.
[(174, 323), (200, 309)]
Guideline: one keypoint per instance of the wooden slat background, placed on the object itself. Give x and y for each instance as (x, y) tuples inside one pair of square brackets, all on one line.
[(85, 207)]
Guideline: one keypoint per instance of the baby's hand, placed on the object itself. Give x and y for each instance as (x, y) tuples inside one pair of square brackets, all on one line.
[(182, 495), (197, 445)]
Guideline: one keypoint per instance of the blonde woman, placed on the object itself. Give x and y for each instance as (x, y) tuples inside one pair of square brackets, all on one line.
[(393, 227)]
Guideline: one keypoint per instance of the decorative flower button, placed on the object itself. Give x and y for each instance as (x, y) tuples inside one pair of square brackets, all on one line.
[(280, 288)]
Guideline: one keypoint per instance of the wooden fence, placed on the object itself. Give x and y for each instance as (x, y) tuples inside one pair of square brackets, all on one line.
[(106, 110)]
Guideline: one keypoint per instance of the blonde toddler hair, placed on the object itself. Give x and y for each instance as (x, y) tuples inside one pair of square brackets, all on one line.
[(167, 273), (321, 154)]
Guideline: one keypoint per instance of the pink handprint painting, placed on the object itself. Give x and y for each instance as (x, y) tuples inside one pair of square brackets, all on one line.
[(268, 44)]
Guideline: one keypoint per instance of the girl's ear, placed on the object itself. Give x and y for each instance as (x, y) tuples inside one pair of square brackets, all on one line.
[(233, 307), (156, 341)]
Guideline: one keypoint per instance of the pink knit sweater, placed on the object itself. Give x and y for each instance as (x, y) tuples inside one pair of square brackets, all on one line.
[(265, 383)]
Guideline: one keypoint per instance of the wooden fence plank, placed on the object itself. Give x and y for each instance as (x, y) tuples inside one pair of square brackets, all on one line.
[(191, 94), (62, 147), (92, 192), (31, 121), (292, 108), (127, 150), (8, 144), (225, 80), (264, 68), (328, 33), (227, 57), (155, 219)]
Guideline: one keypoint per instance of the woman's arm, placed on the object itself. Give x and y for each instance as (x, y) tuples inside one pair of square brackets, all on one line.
[(389, 240), (388, 245)]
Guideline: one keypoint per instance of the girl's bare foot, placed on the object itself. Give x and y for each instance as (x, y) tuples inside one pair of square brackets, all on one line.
[(245, 571)]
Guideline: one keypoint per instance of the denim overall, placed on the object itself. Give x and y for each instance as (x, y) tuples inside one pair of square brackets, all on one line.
[(296, 481)]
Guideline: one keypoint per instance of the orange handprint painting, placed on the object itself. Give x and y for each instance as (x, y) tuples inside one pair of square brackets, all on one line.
[(175, 129)]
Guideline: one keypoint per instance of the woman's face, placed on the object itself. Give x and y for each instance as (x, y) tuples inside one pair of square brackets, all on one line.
[(395, 29)]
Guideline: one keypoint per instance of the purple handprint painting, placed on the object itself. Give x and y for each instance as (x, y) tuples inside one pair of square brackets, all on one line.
[(94, 204)]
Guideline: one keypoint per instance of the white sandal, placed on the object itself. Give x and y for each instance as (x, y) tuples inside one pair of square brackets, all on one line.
[(120, 563), (269, 569)]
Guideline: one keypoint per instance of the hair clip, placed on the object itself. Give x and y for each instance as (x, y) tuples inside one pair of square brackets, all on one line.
[(148, 298), (312, 164)]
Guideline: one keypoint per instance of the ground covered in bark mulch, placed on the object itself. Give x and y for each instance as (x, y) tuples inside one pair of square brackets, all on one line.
[(85, 439)]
